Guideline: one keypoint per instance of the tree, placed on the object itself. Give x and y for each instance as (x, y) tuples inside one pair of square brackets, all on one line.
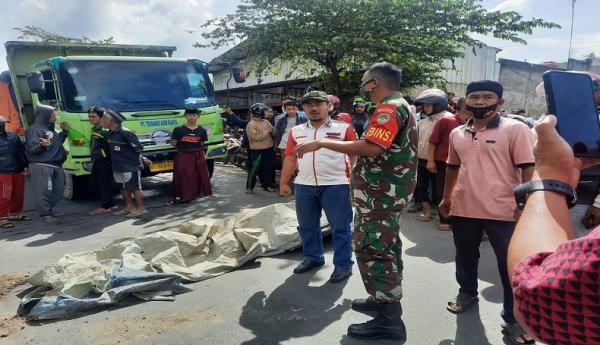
[(40, 35), (343, 37)]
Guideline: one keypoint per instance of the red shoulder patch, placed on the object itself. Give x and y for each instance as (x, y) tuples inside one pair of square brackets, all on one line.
[(383, 126)]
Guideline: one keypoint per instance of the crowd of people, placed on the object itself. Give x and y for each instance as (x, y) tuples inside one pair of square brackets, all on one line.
[(117, 159), (464, 157), (483, 170)]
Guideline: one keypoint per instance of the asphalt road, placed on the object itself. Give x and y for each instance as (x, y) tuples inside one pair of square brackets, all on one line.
[(261, 303)]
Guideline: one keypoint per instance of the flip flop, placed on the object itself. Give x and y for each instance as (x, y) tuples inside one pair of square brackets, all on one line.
[(516, 334), (424, 219), (135, 214), (6, 225), (444, 227), (19, 218), (99, 211), (461, 303), (123, 212)]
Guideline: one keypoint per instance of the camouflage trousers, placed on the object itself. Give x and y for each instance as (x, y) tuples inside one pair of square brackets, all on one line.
[(378, 249)]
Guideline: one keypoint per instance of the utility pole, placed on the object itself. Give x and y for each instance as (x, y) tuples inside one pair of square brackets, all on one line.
[(571, 39)]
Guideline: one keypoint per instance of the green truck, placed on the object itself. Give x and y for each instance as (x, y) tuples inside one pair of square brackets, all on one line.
[(145, 83)]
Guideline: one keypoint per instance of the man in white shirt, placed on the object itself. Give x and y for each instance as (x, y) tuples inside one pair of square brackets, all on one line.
[(322, 184)]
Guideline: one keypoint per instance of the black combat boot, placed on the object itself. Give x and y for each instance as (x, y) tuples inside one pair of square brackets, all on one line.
[(364, 304), (387, 325)]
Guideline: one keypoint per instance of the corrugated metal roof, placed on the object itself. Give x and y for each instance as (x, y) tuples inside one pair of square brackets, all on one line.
[(478, 65)]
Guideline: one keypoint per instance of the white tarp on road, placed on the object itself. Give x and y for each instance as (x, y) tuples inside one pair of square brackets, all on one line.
[(153, 266)]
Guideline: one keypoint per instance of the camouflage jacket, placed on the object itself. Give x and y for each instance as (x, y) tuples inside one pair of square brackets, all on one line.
[(388, 180)]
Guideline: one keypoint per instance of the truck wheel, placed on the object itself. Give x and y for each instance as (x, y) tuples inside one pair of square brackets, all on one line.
[(76, 187)]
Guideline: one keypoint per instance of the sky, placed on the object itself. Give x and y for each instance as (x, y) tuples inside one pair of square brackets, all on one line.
[(177, 22)]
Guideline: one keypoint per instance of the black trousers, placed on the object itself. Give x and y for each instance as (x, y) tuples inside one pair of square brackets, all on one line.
[(210, 164), (261, 166), (440, 182), (101, 182), (425, 180), (467, 234)]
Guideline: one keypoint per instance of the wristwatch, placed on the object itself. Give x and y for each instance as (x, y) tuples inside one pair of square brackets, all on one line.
[(522, 191)]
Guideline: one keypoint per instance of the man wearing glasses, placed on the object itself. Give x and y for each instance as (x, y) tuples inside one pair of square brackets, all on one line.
[(383, 181)]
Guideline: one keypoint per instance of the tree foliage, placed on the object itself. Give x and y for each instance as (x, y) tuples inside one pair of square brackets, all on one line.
[(40, 35), (342, 37)]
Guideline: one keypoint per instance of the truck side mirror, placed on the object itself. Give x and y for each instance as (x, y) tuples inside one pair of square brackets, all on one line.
[(35, 81), (239, 75)]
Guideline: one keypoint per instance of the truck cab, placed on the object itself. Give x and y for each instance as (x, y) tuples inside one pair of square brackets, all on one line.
[(152, 93)]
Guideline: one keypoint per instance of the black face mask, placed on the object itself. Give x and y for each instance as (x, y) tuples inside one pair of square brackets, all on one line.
[(2, 127), (479, 112)]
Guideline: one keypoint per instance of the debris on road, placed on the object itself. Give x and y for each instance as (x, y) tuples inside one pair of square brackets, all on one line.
[(154, 265), (10, 281), (10, 325)]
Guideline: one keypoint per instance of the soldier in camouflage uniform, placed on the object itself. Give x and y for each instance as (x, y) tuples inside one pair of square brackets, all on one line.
[(383, 181)]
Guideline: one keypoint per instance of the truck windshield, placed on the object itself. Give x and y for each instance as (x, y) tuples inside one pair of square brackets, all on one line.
[(135, 85)]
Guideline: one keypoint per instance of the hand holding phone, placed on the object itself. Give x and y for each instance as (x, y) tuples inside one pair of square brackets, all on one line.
[(570, 97), (44, 142)]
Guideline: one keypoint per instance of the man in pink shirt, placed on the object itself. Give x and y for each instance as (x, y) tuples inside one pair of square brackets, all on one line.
[(487, 158)]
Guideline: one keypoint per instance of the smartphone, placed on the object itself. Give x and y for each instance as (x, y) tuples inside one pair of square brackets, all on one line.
[(570, 96)]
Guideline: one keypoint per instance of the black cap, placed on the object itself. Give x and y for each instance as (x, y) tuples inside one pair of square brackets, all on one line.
[(114, 115), (486, 85)]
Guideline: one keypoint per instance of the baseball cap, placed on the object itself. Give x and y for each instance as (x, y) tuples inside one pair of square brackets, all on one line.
[(316, 95)]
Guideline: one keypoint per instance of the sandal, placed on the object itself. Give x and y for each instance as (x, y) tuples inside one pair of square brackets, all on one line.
[(50, 218), (135, 214), (99, 211), (19, 218), (424, 218), (461, 303), (516, 334), (444, 227), (123, 212), (6, 224)]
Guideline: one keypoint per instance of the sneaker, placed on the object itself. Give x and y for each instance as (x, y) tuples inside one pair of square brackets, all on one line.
[(270, 189), (249, 191)]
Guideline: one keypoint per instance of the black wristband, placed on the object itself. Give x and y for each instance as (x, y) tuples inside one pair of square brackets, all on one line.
[(523, 190)]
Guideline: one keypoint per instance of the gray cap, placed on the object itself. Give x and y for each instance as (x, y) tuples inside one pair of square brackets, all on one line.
[(317, 95)]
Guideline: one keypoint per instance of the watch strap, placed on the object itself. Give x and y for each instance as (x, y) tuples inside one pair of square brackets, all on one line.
[(524, 189)]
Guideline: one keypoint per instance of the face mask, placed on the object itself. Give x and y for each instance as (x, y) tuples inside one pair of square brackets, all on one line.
[(2, 127), (479, 112), (366, 94)]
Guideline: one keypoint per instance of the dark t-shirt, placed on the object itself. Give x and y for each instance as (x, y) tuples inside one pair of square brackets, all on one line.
[(188, 139)]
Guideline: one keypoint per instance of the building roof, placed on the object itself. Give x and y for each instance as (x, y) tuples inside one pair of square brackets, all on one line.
[(231, 56)]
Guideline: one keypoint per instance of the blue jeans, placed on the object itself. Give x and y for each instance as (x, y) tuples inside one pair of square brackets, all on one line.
[(335, 201)]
